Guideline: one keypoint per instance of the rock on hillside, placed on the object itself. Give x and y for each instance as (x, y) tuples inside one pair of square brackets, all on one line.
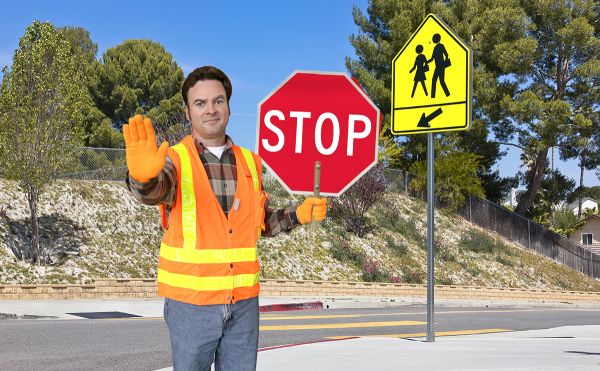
[(96, 229)]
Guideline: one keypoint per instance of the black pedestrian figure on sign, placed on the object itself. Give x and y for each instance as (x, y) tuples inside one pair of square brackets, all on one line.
[(421, 67), (440, 56)]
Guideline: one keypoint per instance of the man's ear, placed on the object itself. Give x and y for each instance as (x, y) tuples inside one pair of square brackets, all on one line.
[(187, 113)]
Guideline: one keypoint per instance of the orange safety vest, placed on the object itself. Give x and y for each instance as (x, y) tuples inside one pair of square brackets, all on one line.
[(205, 257)]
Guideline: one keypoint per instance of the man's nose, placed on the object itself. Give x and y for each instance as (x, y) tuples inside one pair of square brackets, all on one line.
[(210, 108)]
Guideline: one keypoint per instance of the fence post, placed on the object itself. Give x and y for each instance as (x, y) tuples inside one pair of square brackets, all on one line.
[(470, 218), (591, 270), (528, 234)]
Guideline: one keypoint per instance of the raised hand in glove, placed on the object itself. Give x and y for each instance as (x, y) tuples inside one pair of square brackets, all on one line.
[(144, 159), (311, 208)]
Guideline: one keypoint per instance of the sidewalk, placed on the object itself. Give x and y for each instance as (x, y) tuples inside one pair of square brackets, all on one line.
[(561, 348)]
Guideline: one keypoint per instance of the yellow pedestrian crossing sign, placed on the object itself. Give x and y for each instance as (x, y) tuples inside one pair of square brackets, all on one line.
[(431, 81)]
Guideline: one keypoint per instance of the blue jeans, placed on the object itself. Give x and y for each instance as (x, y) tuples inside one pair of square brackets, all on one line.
[(225, 333)]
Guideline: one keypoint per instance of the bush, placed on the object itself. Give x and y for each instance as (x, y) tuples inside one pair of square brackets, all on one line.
[(413, 275), (480, 243), (351, 208), (372, 272)]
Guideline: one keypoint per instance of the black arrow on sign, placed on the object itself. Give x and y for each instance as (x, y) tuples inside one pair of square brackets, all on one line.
[(424, 121)]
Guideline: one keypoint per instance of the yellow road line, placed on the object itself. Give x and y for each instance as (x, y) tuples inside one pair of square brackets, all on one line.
[(340, 325), (317, 317), (423, 334), (273, 317)]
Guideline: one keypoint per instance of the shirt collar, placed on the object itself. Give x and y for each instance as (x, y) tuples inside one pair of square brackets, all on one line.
[(201, 147)]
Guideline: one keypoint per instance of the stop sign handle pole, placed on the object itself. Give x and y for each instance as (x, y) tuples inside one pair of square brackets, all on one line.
[(317, 191)]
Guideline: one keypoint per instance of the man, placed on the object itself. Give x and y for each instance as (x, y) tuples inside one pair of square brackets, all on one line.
[(213, 209)]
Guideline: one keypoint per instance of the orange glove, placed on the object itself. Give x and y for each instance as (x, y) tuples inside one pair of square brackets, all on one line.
[(311, 208), (144, 159)]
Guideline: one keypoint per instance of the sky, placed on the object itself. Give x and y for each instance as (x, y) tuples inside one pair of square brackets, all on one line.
[(257, 43)]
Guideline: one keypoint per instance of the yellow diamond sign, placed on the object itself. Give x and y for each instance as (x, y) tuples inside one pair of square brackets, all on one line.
[(431, 81)]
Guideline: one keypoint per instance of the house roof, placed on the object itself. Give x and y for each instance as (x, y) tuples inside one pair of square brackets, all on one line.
[(584, 221), (575, 203)]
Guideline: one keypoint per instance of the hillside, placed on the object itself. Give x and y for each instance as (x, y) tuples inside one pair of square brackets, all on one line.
[(96, 229)]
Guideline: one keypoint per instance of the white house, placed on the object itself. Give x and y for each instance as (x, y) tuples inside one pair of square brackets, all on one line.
[(589, 233), (587, 203)]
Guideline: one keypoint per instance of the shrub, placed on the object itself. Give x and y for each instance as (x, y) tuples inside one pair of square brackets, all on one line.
[(372, 272), (351, 208), (413, 275), (480, 243), (396, 279)]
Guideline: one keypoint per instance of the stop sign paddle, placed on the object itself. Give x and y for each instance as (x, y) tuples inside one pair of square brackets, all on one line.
[(318, 118)]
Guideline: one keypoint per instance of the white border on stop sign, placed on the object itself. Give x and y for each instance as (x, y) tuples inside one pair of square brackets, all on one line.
[(365, 96)]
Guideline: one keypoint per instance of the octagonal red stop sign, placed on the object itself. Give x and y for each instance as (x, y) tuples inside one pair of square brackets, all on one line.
[(318, 116)]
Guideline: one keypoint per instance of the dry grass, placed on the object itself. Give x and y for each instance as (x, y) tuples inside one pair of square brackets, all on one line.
[(117, 237)]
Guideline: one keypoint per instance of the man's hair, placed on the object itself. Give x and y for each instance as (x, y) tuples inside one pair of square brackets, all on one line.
[(205, 73)]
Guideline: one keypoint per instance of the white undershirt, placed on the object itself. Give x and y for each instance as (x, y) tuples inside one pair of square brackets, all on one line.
[(217, 151)]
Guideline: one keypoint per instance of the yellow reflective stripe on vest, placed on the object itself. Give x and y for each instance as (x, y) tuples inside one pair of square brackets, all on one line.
[(188, 198), (207, 283), (252, 166), (208, 256)]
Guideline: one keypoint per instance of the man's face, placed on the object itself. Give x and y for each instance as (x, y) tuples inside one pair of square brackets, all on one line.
[(208, 109)]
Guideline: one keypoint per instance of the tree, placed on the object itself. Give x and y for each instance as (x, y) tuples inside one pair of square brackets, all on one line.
[(564, 221), (554, 190), (580, 146), (95, 125), (455, 178), (383, 32), (41, 101), (134, 77), (548, 69), (591, 192), (82, 47)]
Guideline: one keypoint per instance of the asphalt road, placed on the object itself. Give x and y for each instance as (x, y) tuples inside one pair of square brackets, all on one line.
[(142, 344)]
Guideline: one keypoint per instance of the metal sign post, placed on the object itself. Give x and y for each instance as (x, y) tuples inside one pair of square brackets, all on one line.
[(430, 229), (420, 106)]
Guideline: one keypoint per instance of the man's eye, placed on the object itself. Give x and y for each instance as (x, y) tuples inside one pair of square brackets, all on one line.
[(220, 101), (199, 104)]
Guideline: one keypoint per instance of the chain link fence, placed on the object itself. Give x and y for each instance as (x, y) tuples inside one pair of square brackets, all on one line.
[(88, 163)]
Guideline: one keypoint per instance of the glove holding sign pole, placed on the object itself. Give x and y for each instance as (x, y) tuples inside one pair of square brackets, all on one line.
[(311, 208), (144, 159)]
